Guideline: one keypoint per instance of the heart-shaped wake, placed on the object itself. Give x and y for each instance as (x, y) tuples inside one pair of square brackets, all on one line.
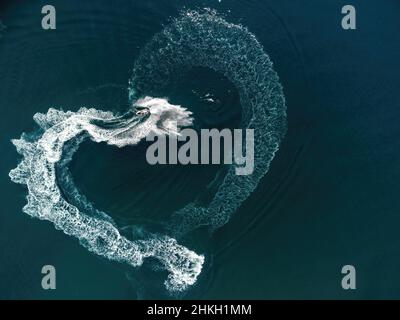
[(193, 40)]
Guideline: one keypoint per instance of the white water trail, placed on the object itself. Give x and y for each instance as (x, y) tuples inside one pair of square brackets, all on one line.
[(37, 170)]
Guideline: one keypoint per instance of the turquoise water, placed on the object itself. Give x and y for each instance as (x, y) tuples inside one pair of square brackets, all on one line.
[(328, 199)]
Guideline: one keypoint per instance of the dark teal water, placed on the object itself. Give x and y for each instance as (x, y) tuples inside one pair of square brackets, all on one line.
[(329, 199)]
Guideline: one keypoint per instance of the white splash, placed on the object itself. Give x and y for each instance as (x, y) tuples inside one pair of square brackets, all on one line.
[(37, 170)]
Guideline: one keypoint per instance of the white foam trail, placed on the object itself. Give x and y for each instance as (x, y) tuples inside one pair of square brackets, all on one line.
[(204, 39), (37, 170)]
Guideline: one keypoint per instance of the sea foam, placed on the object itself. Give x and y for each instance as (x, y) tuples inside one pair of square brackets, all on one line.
[(204, 39), (43, 150)]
